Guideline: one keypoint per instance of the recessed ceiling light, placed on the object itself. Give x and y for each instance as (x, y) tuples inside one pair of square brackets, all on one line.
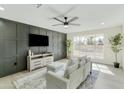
[(2, 9), (102, 23)]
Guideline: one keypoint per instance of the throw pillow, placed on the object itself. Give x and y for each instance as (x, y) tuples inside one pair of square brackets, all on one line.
[(83, 61), (88, 59), (70, 69)]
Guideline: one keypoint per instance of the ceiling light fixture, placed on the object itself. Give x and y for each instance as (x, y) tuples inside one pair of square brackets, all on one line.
[(2, 9), (102, 23), (65, 26)]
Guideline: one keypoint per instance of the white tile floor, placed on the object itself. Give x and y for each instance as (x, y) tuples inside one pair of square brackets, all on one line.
[(108, 78)]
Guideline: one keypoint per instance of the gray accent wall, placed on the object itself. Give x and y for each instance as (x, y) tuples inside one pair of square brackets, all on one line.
[(14, 45)]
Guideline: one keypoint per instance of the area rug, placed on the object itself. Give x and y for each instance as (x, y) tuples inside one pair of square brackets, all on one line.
[(89, 83), (37, 81)]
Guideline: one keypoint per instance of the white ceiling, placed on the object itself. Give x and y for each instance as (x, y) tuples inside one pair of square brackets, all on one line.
[(90, 16)]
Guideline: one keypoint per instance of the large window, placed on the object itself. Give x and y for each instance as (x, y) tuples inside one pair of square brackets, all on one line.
[(90, 45)]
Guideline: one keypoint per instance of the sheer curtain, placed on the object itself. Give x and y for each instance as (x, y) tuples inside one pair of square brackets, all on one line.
[(89, 45)]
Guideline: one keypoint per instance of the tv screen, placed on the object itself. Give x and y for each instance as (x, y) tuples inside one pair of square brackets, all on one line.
[(38, 40)]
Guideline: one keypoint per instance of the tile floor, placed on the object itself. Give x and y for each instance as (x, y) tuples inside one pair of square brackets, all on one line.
[(109, 77)]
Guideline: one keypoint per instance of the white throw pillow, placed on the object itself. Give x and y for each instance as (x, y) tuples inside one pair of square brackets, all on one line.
[(83, 61), (70, 69), (88, 59)]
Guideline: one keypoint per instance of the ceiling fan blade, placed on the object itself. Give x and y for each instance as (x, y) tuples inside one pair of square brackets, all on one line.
[(65, 13), (68, 11), (73, 19), (55, 11), (58, 19), (60, 14), (74, 24), (57, 24)]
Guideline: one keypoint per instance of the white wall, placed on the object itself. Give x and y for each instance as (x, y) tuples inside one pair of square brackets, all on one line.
[(108, 32)]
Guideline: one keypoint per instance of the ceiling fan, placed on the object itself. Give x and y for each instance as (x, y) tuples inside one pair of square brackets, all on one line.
[(66, 22)]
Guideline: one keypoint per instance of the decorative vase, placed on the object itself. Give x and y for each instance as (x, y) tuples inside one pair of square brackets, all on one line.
[(29, 52)]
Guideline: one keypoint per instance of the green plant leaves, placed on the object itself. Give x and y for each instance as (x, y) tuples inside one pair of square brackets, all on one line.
[(116, 42)]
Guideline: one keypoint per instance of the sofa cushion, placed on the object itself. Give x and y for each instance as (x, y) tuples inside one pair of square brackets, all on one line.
[(55, 66), (60, 73), (70, 69)]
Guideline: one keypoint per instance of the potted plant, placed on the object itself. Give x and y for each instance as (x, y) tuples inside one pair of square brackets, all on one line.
[(116, 46), (68, 45)]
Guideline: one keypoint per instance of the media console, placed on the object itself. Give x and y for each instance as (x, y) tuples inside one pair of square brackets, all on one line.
[(39, 60)]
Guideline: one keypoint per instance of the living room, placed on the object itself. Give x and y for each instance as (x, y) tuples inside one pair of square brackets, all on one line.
[(61, 46)]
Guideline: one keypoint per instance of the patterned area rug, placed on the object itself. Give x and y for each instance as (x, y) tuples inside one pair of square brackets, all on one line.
[(90, 81), (37, 81)]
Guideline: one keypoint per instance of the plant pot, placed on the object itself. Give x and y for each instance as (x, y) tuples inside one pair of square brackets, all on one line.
[(116, 65)]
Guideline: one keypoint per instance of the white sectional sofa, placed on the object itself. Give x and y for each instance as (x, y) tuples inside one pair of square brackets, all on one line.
[(72, 78)]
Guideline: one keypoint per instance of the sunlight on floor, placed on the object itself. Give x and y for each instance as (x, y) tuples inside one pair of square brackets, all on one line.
[(102, 68)]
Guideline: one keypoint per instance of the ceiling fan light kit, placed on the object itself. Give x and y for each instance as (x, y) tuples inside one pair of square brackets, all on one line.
[(65, 26)]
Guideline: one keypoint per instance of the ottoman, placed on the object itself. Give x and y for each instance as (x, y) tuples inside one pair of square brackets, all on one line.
[(54, 66)]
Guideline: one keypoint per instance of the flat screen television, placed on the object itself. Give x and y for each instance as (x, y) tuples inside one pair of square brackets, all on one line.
[(38, 40)]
